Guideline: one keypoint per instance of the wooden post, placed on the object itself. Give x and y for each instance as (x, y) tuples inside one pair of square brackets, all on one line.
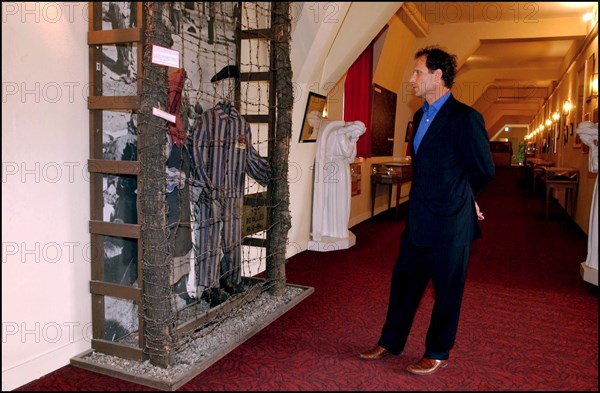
[(157, 259), (279, 146)]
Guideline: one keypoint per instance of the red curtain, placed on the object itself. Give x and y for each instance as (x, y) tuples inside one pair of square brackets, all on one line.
[(358, 99)]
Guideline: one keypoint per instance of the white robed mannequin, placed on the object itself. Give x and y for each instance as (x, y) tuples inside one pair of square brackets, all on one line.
[(588, 133), (336, 150)]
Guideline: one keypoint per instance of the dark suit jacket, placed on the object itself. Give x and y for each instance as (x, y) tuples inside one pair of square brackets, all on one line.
[(452, 165)]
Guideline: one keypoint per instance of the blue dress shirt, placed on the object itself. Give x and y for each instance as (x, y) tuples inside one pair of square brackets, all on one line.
[(429, 112)]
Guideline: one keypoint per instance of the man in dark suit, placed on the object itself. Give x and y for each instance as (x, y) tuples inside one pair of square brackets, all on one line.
[(452, 163)]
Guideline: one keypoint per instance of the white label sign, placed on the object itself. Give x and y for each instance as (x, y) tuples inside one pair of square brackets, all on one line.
[(165, 56), (164, 115)]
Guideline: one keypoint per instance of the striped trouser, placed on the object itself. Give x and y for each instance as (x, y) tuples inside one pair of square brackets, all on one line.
[(218, 241)]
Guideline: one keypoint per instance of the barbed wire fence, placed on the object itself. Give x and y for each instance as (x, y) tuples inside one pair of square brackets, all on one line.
[(197, 226)]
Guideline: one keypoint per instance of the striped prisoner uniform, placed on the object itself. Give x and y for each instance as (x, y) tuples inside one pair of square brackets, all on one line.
[(223, 155)]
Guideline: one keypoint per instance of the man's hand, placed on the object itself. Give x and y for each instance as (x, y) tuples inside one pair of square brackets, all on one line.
[(479, 213)]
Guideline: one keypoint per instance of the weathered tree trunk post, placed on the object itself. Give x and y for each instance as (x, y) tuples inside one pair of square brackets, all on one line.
[(279, 147), (157, 259)]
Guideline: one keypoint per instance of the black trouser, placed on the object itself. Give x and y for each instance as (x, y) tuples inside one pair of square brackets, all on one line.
[(416, 265)]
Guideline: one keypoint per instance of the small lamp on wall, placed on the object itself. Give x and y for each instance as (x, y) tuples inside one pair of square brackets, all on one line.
[(594, 85), (567, 108)]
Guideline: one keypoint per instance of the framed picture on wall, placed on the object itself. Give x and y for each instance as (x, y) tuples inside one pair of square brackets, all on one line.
[(314, 108), (383, 121), (589, 77), (571, 129), (553, 137)]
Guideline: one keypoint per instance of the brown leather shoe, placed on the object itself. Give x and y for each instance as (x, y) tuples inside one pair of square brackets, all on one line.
[(426, 366), (375, 353)]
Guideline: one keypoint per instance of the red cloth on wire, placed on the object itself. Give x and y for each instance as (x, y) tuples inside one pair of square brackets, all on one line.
[(176, 81)]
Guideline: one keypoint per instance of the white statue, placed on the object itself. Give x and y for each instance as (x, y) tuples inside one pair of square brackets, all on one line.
[(588, 133), (336, 149)]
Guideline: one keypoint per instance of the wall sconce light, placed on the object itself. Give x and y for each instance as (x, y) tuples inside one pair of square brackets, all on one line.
[(555, 116), (548, 122), (594, 86), (567, 108)]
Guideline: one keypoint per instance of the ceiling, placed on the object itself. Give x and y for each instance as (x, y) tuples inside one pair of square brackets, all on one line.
[(522, 67), (491, 11)]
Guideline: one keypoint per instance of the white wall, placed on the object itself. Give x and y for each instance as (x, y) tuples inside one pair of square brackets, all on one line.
[(45, 190), (327, 39)]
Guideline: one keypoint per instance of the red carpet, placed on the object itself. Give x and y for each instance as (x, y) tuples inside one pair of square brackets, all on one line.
[(529, 322)]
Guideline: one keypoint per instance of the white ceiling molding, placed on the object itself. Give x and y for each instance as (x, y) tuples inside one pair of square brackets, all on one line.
[(412, 18), (315, 31), (354, 36)]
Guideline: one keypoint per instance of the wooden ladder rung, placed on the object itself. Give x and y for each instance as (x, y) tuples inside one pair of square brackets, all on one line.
[(254, 242), (255, 76), (264, 34), (257, 118)]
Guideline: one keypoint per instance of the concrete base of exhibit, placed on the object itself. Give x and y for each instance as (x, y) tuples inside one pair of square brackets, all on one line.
[(174, 380), (332, 243)]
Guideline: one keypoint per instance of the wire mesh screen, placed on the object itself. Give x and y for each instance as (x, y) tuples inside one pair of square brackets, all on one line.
[(206, 152)]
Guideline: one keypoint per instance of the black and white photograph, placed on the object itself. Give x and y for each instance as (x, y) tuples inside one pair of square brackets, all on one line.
[(119, 61)]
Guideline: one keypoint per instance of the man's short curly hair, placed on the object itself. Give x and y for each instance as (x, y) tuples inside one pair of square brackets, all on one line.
[(439, 59)]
